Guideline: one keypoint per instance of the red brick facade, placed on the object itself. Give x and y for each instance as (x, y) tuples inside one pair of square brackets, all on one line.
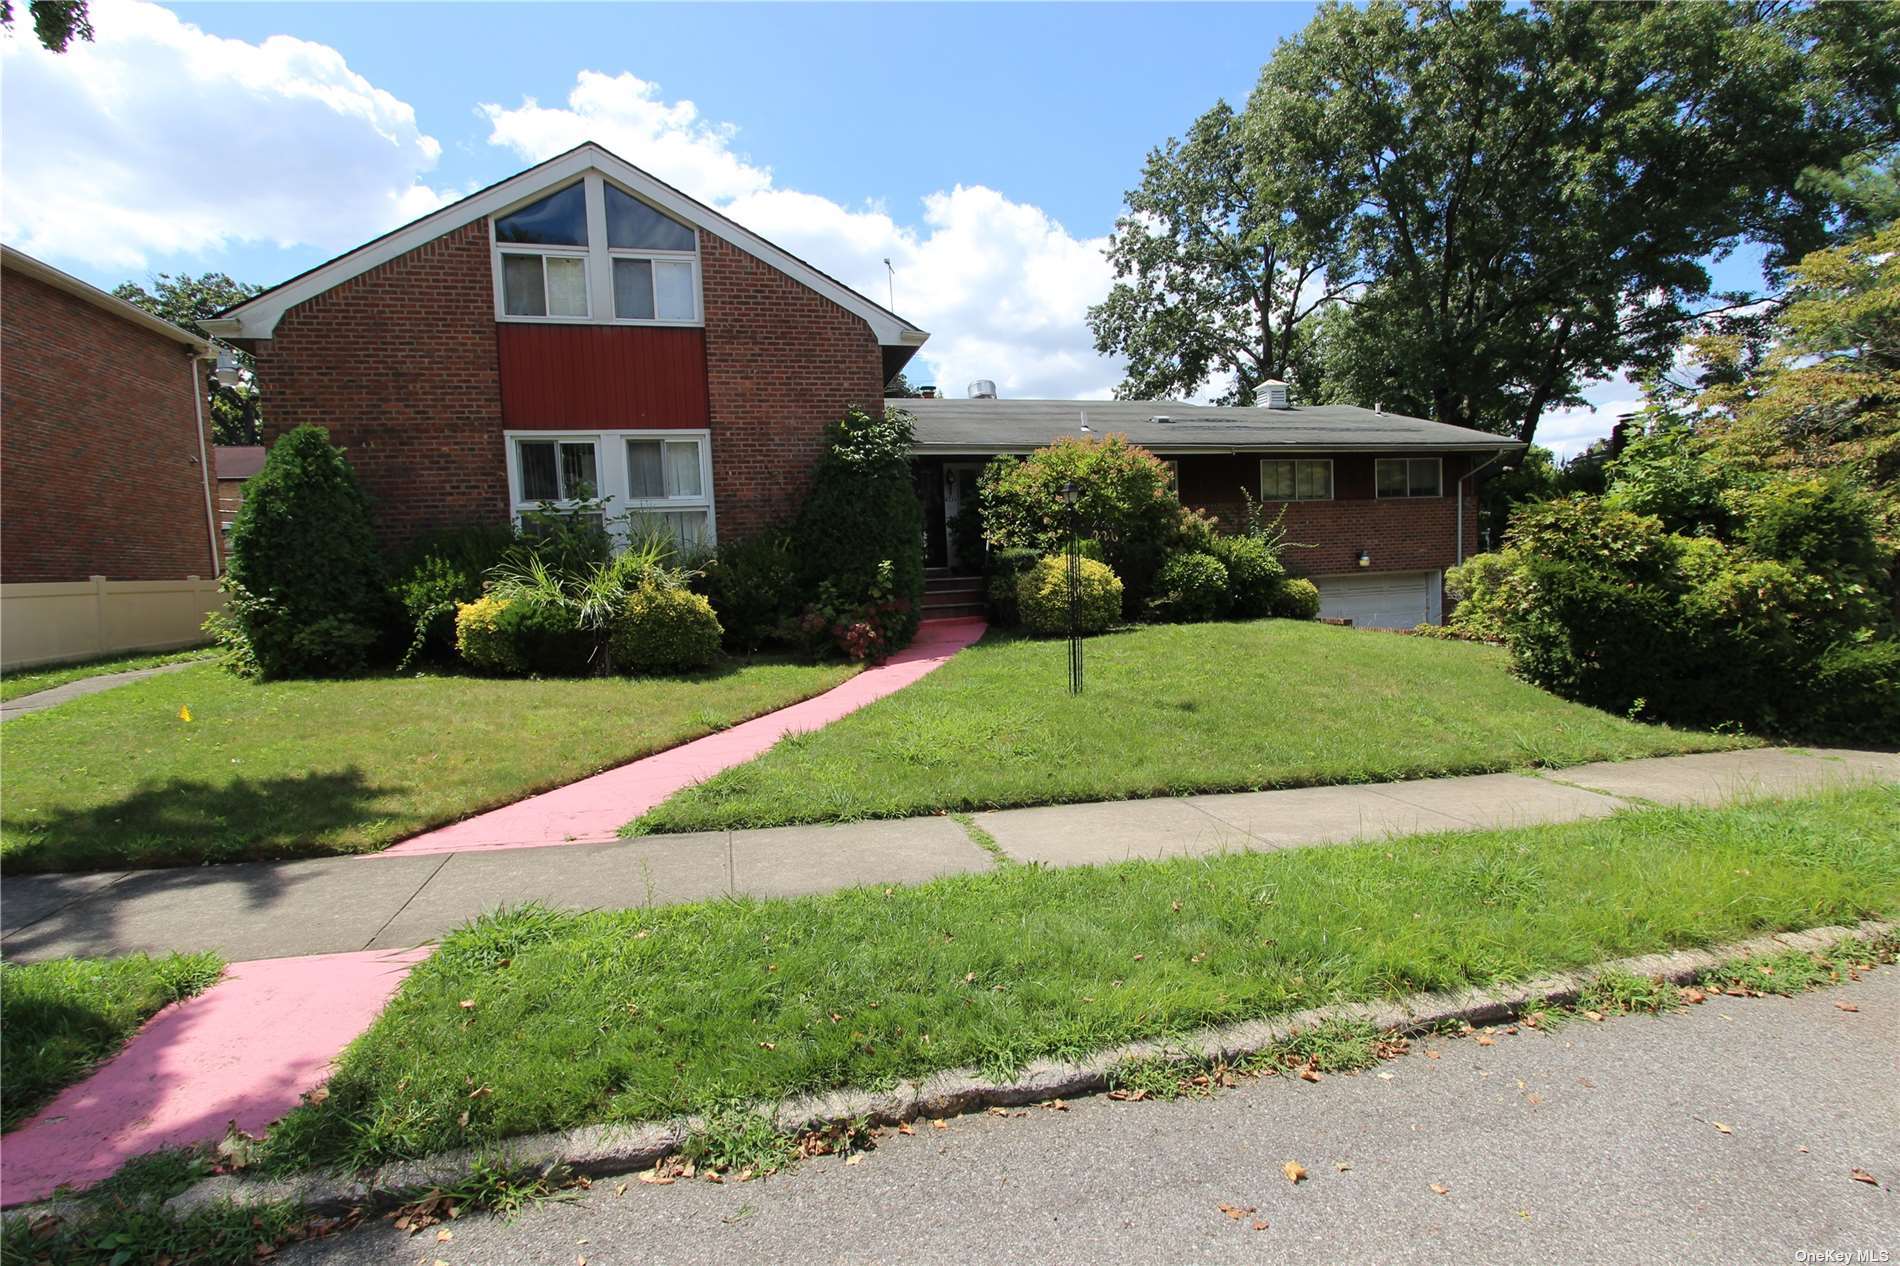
[(405, 366), (1400, 534), (400, 365), (782, 362), (101, 458)]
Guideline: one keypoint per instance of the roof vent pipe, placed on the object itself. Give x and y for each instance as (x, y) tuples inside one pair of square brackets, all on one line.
[(982, 389)]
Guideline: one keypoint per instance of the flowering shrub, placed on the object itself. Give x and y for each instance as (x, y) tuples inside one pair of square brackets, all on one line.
[(863, 629)]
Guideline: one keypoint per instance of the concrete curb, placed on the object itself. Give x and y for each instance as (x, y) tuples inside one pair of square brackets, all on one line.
[(598, 1150)]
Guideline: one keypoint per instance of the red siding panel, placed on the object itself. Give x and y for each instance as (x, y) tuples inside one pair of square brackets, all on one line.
[(563, 376)]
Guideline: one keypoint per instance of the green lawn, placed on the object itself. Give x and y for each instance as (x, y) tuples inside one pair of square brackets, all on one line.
[(1168, 709), (563, 1019), (59, 1019), (299, 768), (29, 681)]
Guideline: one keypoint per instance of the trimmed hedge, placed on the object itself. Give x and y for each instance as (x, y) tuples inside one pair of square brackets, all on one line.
[(479, 638), (1042, 596), (1191, 587), (665, 631), (1295, 600), (1254, 572)]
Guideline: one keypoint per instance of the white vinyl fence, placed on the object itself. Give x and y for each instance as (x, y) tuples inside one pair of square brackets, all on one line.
[(50, 623)]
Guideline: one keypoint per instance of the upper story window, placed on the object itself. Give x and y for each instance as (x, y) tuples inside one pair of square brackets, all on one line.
[(1301, 479), (1408, 477), (593, 251)]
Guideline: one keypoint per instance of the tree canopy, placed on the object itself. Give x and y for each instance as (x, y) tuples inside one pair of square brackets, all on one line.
[(1503, 203), (56, 23), (186, 301)]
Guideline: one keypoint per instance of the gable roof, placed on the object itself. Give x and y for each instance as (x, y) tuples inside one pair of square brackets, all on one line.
[(1021, 426), (21, 262), (257, 317)]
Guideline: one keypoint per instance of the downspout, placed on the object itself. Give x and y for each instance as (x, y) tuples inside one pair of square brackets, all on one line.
[(1461, 501), (204, 464)]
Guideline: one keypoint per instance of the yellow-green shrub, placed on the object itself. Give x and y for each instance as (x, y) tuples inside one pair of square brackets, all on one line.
[(664, 630), (1042, 596), (483, 643), (1296, 600)]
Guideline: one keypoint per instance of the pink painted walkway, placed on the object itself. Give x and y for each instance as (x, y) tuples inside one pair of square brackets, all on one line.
[(242, 1051), (594, 809)]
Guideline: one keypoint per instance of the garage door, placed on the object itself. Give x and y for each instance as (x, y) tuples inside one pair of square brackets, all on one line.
[(1380, 600)]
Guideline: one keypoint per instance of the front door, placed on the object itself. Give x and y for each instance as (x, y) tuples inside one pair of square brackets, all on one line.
[(962, 528)]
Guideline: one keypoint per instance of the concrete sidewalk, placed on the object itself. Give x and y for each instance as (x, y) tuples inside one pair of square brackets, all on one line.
[(333, 905), (40, 700)]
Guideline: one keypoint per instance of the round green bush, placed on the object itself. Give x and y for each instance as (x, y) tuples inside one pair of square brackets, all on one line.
[(1296, 600), (1253, 572), (1191, 587), (548, 637), (480, 640), (665, 631), (1042, 596)]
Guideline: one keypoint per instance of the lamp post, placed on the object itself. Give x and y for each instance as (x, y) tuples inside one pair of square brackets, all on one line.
[(1068, 497)]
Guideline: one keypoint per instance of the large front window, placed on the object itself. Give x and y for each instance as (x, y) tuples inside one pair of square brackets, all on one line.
[(593, 251), (1296, 479), (1408, 477), (632, 482)]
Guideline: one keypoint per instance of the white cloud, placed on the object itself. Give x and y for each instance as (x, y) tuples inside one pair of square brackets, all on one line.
[(1567, 432), (159, 139), (1003, 287)]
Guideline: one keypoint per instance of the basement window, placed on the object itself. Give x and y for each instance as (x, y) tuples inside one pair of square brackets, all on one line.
[(1408, 477)]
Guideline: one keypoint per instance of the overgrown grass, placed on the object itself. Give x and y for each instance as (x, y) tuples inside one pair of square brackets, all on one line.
[(534, 1020), (61, 1018), (301, 768), (1169, 709), (30, 681)]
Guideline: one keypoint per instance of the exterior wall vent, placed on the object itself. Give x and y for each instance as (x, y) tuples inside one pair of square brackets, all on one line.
[(982, 389), (1273, 394)]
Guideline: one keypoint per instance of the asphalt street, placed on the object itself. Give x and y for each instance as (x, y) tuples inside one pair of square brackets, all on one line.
[(1724, 1133)]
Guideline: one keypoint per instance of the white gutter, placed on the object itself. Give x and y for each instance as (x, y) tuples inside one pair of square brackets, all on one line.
[(1461, 501), (204, 463)]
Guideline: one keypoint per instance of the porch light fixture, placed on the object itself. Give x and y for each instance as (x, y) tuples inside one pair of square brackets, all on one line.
[(1365, 559)]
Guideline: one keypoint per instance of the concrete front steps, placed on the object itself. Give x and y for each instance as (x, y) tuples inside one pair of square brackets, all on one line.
[(951, 597)]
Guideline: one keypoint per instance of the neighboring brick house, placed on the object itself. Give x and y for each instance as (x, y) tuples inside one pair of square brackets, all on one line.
[(106, 527), (578, 331), (1377, 505), (584, 331)]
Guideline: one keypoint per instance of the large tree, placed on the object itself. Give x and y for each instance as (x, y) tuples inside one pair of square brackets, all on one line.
[(185, 301), (56, 23), (1531, 195), (1218, 267)]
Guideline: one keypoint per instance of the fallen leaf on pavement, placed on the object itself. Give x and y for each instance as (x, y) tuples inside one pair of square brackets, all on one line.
[(1294, 1171), (1845, 1006), (1595, 1017), (1692, 994), (1307, 1074), (1260, 1226), (1440, 1189), (856, 1158), (1236, 1212), (621, 1190), (655, 1177), (1385, 1076), (1342, 1166), (1723, 1128), (905, 1127), (1431, 1054), (1861, 1175), (937, 1124), (1485, 1039), (444, 1236)]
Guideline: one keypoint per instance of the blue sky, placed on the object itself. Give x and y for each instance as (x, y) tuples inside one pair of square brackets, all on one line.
[(984, 148)]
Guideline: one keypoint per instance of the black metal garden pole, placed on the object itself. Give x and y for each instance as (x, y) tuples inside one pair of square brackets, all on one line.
[(1075, 596)]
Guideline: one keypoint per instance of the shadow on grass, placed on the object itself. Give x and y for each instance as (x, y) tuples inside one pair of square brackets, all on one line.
[(187, 821)]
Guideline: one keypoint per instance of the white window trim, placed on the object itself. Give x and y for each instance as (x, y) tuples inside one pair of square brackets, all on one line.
[(599, 259), (562, 252), (1332, 488), (610, 468), (1408, 495)]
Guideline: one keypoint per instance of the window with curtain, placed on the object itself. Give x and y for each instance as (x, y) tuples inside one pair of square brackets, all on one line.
[(666, 487), (1296, 479), (548, 260)]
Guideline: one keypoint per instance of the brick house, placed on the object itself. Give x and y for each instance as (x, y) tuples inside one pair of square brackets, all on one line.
[(583, 331), (580, 330), (107, 536), (1380, 504)]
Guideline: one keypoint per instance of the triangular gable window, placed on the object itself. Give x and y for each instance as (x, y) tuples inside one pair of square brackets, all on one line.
[(633, 225), (560, 219)]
